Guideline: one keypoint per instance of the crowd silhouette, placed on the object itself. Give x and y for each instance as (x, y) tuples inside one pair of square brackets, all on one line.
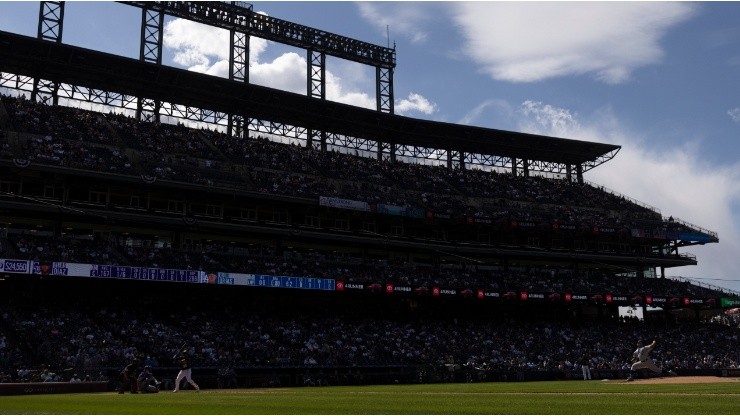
[(113, 143), (91, 335)]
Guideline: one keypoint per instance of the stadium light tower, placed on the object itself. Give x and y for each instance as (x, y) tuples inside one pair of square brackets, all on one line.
[(242, 23)]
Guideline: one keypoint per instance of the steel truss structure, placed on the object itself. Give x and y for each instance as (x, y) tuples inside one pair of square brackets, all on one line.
[(54, 73), (317, 122), (242, 22), (51, 21)]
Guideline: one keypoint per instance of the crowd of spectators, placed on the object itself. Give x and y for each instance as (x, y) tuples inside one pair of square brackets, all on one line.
[(94, 336), (116, 143), (46, 248), (67, 137), (38, 337)]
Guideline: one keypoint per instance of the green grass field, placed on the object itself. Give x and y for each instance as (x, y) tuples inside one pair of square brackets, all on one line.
[(570, 397)]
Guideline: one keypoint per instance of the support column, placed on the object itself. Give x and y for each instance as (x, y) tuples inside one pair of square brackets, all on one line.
[(316, 138), (152, 28), (316, 88), (236, 126), (239, 56), (316, 74), (384, 90), (569, 173), (51, 21), (147, 109), (51, 24), (579, 173), (513, 166)]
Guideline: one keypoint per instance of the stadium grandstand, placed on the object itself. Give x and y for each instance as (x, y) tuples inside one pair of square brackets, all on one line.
[(286, 239)]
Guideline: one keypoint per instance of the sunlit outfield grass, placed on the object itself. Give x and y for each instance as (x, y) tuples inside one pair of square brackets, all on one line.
[(569, 397)]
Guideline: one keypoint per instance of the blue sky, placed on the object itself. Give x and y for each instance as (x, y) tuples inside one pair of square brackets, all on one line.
[(661, 79)]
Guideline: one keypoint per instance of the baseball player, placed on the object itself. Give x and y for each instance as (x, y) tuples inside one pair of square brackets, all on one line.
[(147, 382), (127, 377), (641, 359), (586, 366), (182, 359)]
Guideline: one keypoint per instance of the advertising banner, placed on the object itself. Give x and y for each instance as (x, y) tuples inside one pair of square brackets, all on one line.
[(147, 273), (344, 286), (618, 299), (400, 211), (693, 302), (729, 302), (575, 297), (64, 269), (486, 294), (697, 237), (284, 282), (533, 296), (15, 266), (391, 288), (327, 201)]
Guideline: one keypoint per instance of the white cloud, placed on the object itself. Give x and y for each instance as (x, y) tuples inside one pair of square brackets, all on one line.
[(675, 180), (286, 72), (336, 91), (205, 49), (501, 107), (415, 102), (558, 121), (195, 44), (735, 114), (397, 18), (534, 41)]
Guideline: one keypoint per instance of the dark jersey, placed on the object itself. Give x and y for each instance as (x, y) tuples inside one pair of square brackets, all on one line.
[(130, 370), (147, 378), (184, 363)]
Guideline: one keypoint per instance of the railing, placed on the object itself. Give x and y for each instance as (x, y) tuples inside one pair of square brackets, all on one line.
[(689, 256), (700, 283), (692, 226), (615, 193), (654, 209)]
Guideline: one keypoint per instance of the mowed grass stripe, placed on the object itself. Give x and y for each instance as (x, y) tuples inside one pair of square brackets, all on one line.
[(572, 397)]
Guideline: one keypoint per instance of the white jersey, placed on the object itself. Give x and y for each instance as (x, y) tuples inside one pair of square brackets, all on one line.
[(642, 353), (644, 360)]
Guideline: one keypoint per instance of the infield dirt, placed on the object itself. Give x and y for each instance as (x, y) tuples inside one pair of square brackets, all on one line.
[(686, 380)]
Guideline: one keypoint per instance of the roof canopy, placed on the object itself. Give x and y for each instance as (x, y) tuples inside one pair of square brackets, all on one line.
[(27, 56)]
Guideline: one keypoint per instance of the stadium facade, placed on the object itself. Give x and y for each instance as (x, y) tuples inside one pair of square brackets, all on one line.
[(149, 178)]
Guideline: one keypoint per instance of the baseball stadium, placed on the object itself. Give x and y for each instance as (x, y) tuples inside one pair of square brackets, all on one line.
[(265, 252)]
